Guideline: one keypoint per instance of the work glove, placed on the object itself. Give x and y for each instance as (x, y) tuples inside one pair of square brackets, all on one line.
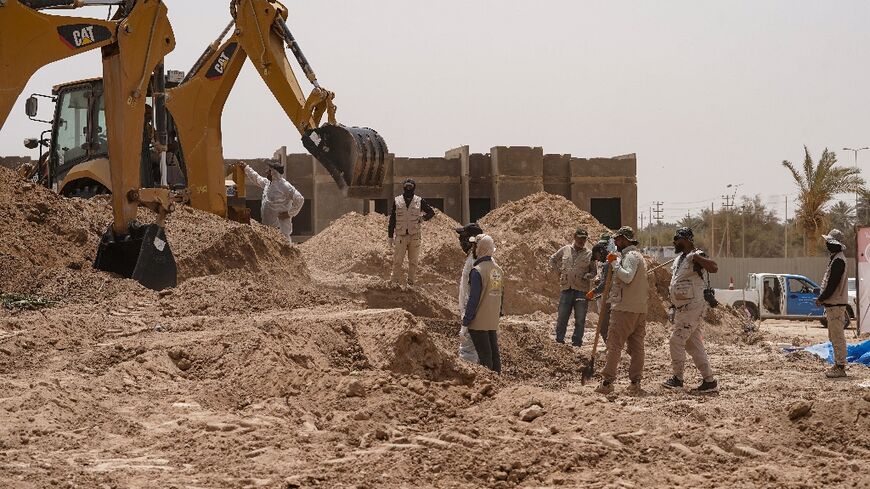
[(612, 257), (672, 314), (590, 295), (390, 242)]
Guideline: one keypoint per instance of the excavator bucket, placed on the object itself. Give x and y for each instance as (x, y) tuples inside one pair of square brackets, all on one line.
[(143, 255), (354, 156)]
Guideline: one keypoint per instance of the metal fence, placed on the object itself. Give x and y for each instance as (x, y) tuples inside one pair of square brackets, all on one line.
[(737, 268)]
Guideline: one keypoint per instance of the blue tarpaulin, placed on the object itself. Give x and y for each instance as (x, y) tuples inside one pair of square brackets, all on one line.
[(857, 353)]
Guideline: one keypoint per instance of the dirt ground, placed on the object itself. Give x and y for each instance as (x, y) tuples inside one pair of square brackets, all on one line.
[(281, 367)]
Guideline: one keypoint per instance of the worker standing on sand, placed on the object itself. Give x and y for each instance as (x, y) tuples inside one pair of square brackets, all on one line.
[(687, 303), (574, 264), (467, 351), (599, 254), (281, 201), (404, 232), (835, 296), (485, 300), (628, 305)]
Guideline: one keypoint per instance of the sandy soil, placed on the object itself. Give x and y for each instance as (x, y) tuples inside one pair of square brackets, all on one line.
[(277, 366)]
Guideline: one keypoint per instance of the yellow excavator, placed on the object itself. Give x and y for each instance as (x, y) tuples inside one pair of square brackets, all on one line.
[(184, 159), (134, 42)]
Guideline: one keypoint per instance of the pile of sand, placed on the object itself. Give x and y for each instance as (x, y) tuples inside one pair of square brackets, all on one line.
[(48, 244), (527, 232), (357, 244)]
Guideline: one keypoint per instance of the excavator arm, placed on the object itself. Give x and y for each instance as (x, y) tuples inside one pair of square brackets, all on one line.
[(143, 38), (353, 156), (31, 39)]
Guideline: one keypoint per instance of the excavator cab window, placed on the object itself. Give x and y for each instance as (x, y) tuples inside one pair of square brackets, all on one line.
[(101, 142), (71, 128)]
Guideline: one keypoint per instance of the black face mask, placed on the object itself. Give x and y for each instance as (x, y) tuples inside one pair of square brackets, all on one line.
[(408, 193), (465, 244), (834, 248)]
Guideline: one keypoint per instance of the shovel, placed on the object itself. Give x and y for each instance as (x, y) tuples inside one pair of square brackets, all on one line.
[(590, 367)]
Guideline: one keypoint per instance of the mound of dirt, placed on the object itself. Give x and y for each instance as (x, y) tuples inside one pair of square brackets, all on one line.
[(527, 232), (541, 217), (205, 244), (353, 257), (356, 243), (39, 227), (48, 244)]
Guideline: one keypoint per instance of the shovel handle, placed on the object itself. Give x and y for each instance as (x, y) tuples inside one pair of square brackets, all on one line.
[(608, 283)]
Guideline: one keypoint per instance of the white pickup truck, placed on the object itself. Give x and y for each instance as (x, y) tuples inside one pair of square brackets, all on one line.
[(779, 296)]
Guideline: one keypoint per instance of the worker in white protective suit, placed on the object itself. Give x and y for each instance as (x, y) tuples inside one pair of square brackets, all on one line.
[(467, 351), (281, 201)]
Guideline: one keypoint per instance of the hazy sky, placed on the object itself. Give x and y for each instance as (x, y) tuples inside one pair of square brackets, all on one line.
[(706, 93)]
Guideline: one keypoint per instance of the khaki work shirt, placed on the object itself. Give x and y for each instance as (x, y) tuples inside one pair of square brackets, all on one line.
[(575, 267)]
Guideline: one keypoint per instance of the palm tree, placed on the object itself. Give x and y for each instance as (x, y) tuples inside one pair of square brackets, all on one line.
[(842, 216), (817, 185)]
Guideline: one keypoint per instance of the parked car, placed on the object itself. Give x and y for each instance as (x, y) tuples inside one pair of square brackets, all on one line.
[(780, 296)]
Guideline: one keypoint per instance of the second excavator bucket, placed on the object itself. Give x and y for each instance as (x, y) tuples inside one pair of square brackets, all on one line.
[(354, 156), (143, 255)]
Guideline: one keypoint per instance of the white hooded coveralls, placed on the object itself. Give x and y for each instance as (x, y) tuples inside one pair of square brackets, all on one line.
[(278, 196)]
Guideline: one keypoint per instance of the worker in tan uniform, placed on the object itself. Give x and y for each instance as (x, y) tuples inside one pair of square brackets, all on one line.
[(628, 300), (485, 298), (834, 297), (576, 269), (686, 293), (404, 231)]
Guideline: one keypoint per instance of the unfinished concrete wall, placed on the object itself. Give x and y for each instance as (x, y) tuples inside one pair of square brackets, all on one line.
[(437, 178), (606, 178), (330, 203), (517, 172), (480, 175), (557, 175)]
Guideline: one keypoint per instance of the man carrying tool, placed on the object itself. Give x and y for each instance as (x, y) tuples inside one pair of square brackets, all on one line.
[(281, 201), (485, 299), (599, 254), (687, 303), (834, 297), (628, 305), (576, 268), (404, 232), (467, 350)]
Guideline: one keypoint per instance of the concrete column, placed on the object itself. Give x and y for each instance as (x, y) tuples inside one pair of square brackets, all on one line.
[(464, 157)]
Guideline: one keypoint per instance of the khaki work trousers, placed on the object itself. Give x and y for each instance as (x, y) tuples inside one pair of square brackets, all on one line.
[(836, 316), (625, 328), (406, 244), (687, 338)]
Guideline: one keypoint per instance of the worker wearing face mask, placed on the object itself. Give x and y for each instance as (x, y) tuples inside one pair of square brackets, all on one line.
[(404, 232), (281, 201)]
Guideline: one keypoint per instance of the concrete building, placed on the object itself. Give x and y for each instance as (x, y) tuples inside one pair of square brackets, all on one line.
[(467, 185)]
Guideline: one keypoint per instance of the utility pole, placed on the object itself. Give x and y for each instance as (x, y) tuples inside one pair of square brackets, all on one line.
[(729, 202), (712, 229), (659, 212), (743, 231), (855, 151)]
